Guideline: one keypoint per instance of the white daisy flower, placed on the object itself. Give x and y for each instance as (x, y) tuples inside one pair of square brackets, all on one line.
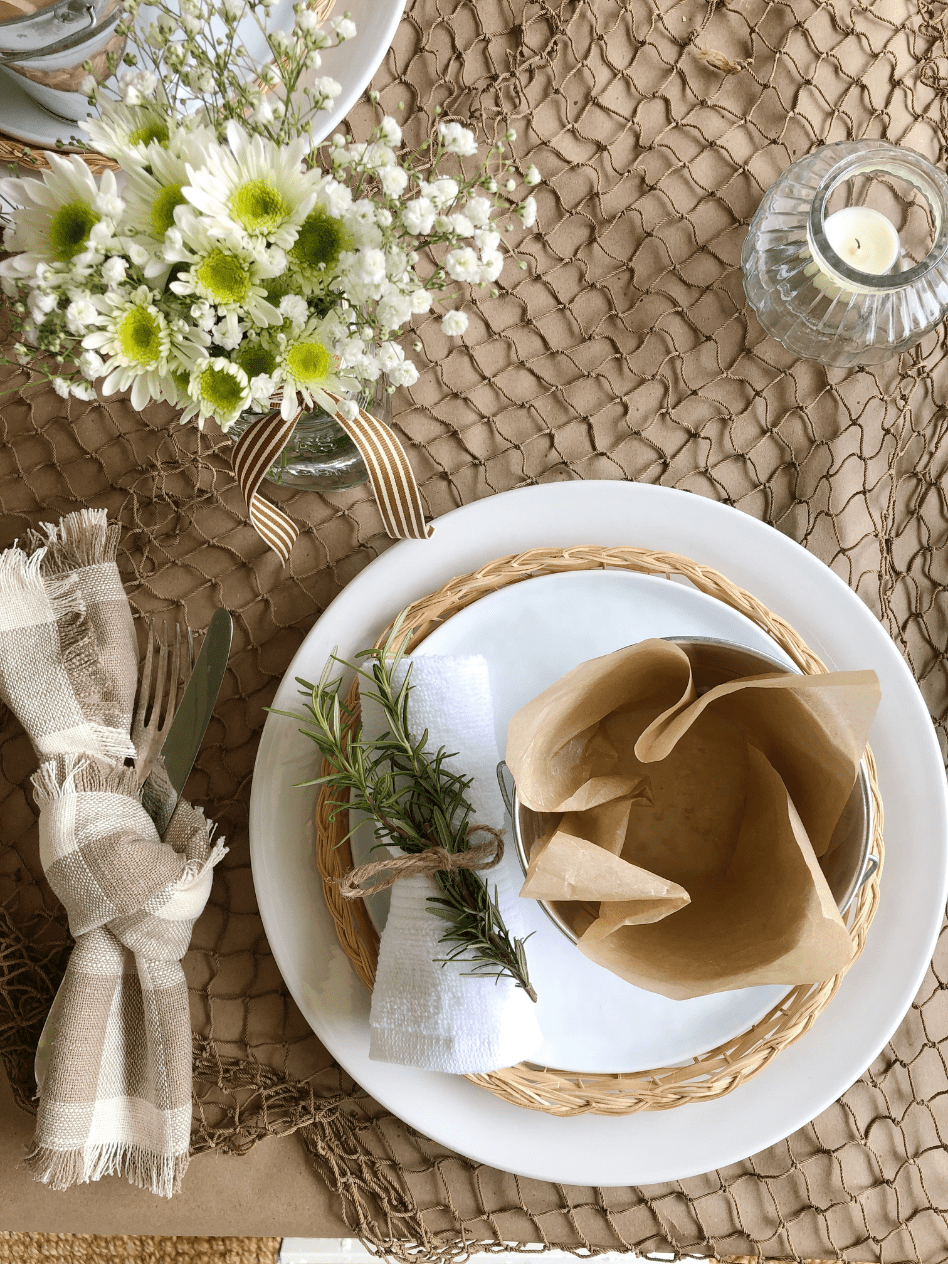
[(55, 216), (142, 348), (125, 130), (315, 254), (221, 272), (252, 188), (259, 362), (153, 191), (307, 369), (217, 388)]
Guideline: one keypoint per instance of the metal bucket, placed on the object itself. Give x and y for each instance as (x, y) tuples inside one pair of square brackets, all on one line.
[(847, 863), (46, 48)]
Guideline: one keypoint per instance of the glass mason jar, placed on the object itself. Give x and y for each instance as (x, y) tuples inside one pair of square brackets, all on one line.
[(818, 304), (320, 456)]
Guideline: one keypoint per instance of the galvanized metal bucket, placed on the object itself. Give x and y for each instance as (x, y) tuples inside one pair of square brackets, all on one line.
[(47, 46)]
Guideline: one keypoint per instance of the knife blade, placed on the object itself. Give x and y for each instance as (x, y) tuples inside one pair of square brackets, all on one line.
[(162, 788), (197, 705)]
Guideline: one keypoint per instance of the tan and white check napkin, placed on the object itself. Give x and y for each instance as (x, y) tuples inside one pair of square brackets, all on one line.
[(116, 1096)]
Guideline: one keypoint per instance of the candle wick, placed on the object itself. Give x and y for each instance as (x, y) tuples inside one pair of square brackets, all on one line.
[(858, 246)]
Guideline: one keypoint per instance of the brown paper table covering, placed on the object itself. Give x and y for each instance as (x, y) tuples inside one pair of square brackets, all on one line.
[(625, 350)]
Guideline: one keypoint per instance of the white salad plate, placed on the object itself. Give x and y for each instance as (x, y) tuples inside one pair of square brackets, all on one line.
[(531, 634), (352, 64), (875, 994)]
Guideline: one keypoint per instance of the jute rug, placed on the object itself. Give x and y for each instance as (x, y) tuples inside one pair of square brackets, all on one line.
[(625, 351), (76, 1248)]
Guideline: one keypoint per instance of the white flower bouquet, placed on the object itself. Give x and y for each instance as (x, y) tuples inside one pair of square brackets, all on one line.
[(227, 264)]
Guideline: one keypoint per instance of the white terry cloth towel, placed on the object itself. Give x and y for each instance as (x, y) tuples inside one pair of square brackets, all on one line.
[(424, 1014)]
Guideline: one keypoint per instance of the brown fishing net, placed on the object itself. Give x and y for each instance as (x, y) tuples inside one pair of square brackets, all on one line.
[(625, 350)]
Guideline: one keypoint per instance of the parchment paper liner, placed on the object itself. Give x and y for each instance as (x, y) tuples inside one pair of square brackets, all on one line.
[(695, 823)]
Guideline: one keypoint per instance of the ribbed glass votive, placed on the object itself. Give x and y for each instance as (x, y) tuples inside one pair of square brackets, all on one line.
[(825, 307)]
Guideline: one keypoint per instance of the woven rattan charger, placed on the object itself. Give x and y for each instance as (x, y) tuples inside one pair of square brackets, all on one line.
[(567, 1092)]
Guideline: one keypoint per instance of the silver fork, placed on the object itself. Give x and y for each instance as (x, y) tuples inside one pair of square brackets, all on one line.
[(158, 692)]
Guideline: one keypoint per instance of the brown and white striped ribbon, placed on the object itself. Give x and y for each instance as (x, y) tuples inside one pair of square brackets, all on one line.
[(390, 476), (254, 452)]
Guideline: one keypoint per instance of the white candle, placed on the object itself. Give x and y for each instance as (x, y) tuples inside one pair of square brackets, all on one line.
[(863, 238)]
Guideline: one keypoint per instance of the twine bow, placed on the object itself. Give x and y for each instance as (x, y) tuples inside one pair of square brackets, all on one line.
[(390, 475), (481, 856)]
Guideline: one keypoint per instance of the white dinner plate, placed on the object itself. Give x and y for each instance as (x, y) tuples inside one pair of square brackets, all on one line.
[(352, 64), (531, 634), (875, 994)]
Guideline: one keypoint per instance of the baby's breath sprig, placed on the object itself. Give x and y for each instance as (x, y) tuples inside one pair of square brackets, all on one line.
[(415, 800)]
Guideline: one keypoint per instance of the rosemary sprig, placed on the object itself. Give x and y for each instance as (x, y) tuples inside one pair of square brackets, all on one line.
[(415, 801)]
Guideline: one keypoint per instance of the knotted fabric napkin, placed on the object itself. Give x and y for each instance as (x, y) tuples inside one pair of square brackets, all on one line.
[(425, 1014), (116, 1095)]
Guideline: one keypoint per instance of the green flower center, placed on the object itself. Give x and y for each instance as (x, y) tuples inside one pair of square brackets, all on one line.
[(70, 227), (222, 390), (148, 132), (162, 209), (321, 241), (309, 362), (259, 206), (140, 336), (224, 277), (254, 359)]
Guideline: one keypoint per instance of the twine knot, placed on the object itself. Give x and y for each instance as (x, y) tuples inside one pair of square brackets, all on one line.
[(481, 856)]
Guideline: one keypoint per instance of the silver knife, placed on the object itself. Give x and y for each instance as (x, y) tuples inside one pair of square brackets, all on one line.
[(164, 784)]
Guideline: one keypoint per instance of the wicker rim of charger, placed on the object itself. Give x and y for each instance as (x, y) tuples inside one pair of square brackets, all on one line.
[(32, 154), (565, 1093)]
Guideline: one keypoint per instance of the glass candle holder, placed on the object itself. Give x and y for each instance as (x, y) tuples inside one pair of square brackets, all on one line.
[(831, 308)]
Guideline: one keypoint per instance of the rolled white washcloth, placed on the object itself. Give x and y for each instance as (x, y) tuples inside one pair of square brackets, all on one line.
[(424, 1014)]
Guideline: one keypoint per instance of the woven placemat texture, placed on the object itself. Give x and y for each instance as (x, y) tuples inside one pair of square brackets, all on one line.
[(625, 350), (96, 1248)]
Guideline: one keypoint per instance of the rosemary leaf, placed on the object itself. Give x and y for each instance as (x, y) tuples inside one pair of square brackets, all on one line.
[(415, 801)]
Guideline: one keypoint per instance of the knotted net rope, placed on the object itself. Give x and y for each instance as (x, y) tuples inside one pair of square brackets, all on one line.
[(625, 351)]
